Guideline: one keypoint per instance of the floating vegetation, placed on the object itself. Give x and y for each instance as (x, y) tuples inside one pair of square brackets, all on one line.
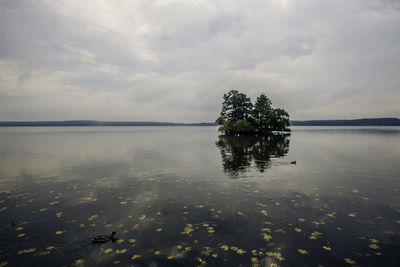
[(332, 214), (276, 255), (24, 251), (225, 247), (350, 261), (234, 248), (267, 237), (188, 229), (315, 235), (108, 250), (135, 257), (264, 212), (79, 261), (91, 218), (373, 246), (241, 251), (303, 251)]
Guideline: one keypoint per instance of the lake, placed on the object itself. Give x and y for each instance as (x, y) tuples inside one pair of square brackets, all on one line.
[(185, 196)]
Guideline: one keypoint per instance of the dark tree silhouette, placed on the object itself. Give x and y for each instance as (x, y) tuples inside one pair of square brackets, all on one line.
[(240, 116), (236, 106), (263, 113)]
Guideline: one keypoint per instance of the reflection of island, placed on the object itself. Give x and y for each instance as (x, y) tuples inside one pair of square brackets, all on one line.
[(239, 151)]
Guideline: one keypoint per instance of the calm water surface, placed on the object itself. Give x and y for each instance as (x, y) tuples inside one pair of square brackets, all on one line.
[(184, 196)]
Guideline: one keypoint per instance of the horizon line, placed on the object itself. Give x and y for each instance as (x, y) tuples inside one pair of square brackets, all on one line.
[(150, 121)]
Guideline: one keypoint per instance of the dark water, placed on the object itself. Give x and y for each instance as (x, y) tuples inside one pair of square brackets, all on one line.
[(182, 196)]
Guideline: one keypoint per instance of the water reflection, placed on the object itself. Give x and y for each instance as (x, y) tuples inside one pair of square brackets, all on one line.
[(61, 187), (238, 152)]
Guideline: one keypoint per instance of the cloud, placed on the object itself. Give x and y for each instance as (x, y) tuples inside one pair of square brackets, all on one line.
[(173, 60)]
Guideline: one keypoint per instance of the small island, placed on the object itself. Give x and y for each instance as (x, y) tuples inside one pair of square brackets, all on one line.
[(240, 116)]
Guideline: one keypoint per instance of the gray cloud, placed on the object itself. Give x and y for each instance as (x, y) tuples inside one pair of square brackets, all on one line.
[(173, 60)]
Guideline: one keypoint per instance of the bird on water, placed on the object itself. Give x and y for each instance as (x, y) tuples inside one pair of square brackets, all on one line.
[(104, 238)]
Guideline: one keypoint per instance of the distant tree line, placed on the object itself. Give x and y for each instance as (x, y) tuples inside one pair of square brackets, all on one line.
[(240, 116), (97, 123), (356, 122)]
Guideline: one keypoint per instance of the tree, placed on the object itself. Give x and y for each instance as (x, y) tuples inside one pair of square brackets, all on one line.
[(244, 126), (262, 113), (280, 120), (236, 106)]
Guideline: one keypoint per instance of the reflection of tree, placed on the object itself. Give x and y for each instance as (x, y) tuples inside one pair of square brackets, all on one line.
[(238, 151)]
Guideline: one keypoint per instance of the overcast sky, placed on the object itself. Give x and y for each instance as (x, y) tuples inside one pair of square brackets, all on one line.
[(172, 60)]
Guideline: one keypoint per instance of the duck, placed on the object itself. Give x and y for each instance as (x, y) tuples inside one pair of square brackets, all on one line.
[(104, 238)]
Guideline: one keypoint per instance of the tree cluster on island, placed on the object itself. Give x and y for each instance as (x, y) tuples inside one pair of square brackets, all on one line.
[(240, 116)]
